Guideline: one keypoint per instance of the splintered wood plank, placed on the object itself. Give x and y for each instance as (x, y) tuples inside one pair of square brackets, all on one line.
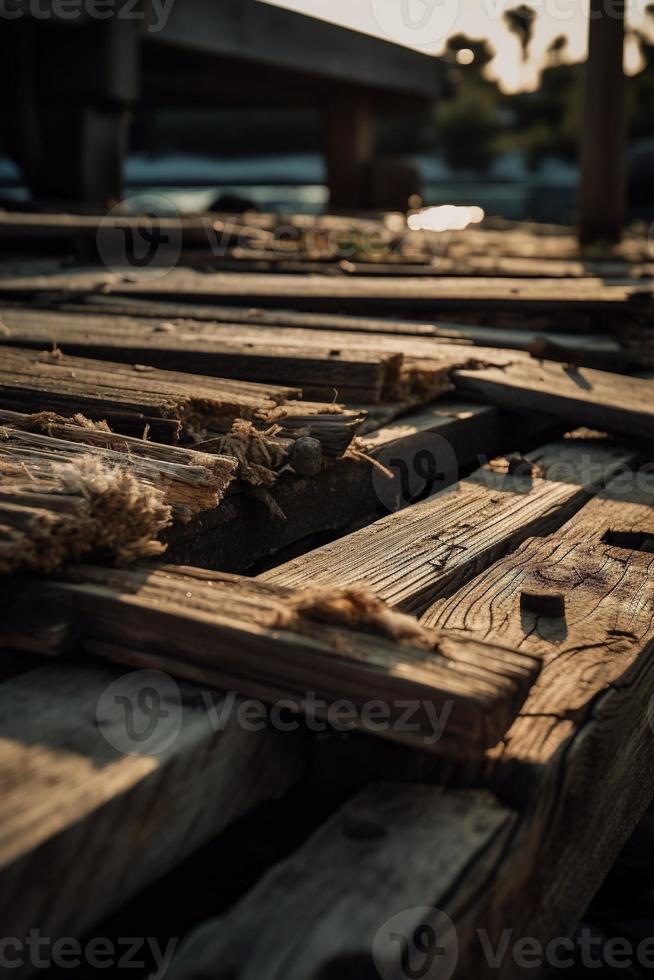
[(583, 396), (578, 765), (55, 510), (130, 397), (244, 530), (190, 481), (272, 643), (430, 549), (95, 815), (362, 368), (579, 758), (373, 875)]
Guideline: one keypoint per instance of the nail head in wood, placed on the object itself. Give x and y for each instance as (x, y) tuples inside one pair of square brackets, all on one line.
[(306, 456), (361, 827)]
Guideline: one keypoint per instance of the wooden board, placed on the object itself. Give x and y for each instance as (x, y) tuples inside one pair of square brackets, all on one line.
[(272, 643), (190, 481), (423, 551), (391, 856), (579, 759), (55, 510), (580, 396), (131, 397), (577, 765), (95, 816), (352, 294), (244, 529), (361, 369)]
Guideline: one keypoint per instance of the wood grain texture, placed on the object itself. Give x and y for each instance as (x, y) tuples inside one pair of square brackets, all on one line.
[(430, 549), (243, 530), (361, 368), (92, 824), (375, 868), (273, 643), (190, 481), (130, 397), (577, 763), (319, 292), (581, 396), (55, 510), (578, 759)]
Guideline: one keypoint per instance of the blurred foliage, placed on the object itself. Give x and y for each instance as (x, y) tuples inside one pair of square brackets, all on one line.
[(520, 21), (478, 122)]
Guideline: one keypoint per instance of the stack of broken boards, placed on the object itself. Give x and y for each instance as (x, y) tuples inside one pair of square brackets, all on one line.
[(500, 607)]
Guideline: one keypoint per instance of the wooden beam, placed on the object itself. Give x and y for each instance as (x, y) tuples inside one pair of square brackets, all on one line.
[(604, 126), (309, 649), (360, 294), (579, 760), (250, 31), (106, 817), (376, 873), (349, 147), (577, 766), (580, 396), (429, 549)]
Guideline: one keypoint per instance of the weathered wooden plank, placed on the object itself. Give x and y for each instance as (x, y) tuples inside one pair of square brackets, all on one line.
[(385, 864), (581, 396), (167, 310), (53, 511), (193, 338), (410, 557), (362, 369), (94, 815), (130, 396), (190, 481), (244, 530), (274, 643), (357, 293), (577, 762), (579, 757)]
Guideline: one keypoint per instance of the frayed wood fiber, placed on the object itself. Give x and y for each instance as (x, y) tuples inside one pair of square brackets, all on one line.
[(54, 512)]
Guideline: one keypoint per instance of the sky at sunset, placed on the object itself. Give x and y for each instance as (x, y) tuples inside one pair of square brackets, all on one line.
[(426, 24)]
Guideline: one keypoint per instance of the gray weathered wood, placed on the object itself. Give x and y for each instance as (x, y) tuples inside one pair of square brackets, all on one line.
[(94, 816), (375, 868), (580, 396)]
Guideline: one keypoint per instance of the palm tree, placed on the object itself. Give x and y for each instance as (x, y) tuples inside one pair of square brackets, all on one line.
[(520, 21)]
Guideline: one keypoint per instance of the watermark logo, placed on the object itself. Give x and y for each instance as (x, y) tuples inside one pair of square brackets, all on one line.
[(416, 944), (415, 23), (143, 234), (141, 712), (414, 470), (38, 952), (153, 13)]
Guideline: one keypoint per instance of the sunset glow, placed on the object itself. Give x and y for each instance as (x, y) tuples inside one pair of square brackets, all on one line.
[(426, 25)]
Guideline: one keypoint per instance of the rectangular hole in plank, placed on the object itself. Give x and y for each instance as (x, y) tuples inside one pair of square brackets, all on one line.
[(631, 540)]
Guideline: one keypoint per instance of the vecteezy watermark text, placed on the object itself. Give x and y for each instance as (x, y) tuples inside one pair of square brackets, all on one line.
[(423, 943), (153, 13), (67, 953), (142, 713)]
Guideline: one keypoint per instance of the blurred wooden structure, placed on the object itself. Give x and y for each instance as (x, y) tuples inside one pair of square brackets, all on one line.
[(604, 130), (70, 86)]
